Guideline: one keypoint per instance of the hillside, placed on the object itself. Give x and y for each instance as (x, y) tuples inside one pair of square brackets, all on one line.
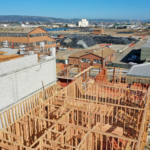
[(17, 18)]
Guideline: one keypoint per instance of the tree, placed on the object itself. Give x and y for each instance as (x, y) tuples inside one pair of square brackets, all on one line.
[(66, 26)]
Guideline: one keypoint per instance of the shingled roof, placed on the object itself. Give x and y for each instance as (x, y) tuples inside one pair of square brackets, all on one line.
[(100, 52)]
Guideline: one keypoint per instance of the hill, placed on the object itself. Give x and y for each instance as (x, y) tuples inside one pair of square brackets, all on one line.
[(17, 18)]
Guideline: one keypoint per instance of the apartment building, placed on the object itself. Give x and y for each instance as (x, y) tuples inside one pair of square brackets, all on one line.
[(28, 36)]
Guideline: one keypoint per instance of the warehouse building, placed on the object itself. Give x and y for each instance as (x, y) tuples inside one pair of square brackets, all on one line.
[(141, 70), (99, 57), (145, 51), (98, 31), (28, 36)]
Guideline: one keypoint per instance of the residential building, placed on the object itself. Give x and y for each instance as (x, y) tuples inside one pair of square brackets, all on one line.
[(99, 57), (108, 111), (83, 23), (28, 36)]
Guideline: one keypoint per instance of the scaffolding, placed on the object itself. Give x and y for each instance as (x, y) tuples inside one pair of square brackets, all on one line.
[(110, 114)]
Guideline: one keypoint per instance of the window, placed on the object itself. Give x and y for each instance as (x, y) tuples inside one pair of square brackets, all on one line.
[(38, 35), (31, 44), (97, 61), (85, 60), (24, 35), (49, 42), (107, 59), (112, 55), (37, 43), (45, 42)]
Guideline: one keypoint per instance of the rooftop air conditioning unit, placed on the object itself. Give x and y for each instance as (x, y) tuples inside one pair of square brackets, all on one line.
[(53, 51), (5, 43), (30, 52), (22, 49), (42, 44)]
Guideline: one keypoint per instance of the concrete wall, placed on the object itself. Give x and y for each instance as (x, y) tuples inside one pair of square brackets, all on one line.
[(21, 84), (145, 53), (17, 64)]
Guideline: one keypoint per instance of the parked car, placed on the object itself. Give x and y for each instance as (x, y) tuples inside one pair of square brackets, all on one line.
[(134, 56), (62, 48), (131, 59), (135, 60)]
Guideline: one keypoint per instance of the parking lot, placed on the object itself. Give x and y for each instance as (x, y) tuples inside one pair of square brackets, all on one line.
[(123, 58)]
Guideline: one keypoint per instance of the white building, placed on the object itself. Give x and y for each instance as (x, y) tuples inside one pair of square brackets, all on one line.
[(3, 25), (55, 26), (83, 23), (71, 25), (27, 23)]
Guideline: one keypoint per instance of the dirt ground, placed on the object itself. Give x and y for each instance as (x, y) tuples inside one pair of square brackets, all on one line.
[(113, 32)]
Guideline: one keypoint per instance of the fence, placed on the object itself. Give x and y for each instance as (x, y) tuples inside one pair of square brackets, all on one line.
[(126, 66)]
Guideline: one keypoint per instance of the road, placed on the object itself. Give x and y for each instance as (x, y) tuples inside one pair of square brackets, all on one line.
[(123, 58)]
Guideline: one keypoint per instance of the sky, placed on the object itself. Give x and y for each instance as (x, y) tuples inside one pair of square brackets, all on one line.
[(88, 9)]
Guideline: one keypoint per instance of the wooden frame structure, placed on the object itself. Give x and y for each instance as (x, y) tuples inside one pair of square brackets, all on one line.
[(73, 71), (105, 115)]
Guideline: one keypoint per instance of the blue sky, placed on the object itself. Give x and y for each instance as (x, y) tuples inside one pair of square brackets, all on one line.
[(90, 9)]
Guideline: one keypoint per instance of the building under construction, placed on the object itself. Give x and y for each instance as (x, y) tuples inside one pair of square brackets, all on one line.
[(109, 112)]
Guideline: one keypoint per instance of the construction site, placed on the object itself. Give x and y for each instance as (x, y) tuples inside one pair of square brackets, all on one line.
[(107, 112)]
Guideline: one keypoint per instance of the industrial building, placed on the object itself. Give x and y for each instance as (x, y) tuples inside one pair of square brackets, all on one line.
[(145, 52), (108, 112), (98, 31), (83, 23), (28, 36), (94, 57), (141, 70)]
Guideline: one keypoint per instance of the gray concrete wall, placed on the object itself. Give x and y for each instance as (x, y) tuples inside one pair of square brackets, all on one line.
[(145, 53), (20, 84), (17, 64)]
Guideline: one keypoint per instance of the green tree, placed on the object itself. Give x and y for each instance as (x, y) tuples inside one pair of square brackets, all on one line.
[(66, 26)]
